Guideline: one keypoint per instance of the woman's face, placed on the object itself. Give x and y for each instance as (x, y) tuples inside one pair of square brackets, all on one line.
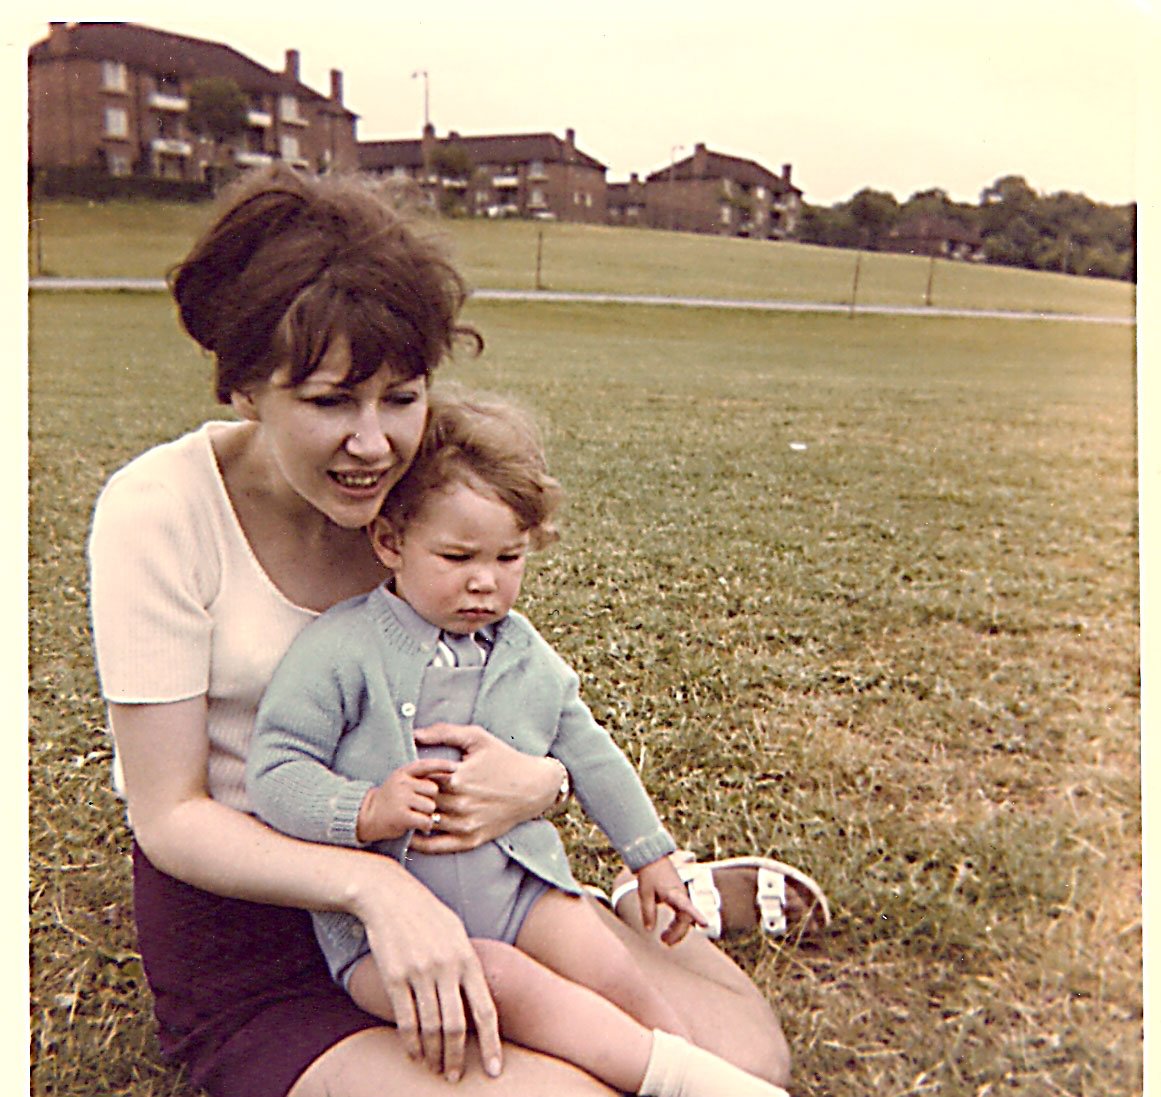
[(339, 447)]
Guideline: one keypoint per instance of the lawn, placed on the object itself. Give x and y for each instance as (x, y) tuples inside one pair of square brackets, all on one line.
[(901, 652), (142, 239)]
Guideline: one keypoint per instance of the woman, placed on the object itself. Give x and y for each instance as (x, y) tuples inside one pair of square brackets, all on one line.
[(326, 317)]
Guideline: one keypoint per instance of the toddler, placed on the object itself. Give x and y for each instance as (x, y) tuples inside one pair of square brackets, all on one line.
[(334, 759)]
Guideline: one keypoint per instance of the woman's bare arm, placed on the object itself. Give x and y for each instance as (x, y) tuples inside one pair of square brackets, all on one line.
[(419, 945)]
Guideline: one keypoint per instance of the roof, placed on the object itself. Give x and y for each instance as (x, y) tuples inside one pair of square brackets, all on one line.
[(929, 226), (161, 51), (497, 148), (719, 165)]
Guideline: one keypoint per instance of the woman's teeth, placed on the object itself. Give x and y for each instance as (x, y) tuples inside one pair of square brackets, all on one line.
[(357, 479)]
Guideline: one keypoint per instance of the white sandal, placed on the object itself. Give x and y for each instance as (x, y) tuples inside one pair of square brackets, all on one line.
[(770, 896)]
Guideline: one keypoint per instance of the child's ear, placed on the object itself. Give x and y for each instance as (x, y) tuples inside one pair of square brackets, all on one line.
[(385, 541)]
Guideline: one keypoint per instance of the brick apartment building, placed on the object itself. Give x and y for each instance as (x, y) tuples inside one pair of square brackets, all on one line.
[(114, 97), (727, 195), (499, 175), (930, 234), (626, 202)]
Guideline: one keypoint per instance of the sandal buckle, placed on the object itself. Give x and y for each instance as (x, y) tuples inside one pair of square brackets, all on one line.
[(771, 898)]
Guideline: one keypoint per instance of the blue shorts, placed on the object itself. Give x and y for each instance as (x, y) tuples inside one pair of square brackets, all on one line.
[(490, 892)]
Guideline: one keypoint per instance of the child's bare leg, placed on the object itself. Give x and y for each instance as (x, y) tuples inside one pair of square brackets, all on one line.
[(565, 934), (542, 1011), (547, 1012)]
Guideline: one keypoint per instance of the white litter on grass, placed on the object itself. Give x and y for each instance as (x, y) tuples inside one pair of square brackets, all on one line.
[(798, 445)]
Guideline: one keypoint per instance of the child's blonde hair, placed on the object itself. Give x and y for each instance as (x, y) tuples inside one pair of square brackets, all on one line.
[(479, 440)]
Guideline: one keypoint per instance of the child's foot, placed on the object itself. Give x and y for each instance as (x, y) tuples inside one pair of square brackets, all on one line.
[(679, 1069)]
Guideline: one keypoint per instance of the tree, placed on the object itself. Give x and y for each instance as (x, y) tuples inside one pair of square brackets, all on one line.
[(217, 110), (875, 213), (453, 162)]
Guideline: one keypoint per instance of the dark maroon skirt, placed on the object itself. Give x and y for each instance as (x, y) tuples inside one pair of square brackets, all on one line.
[(242, 995)]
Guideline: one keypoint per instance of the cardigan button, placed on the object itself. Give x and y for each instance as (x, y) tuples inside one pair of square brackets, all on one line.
[(407, 709)]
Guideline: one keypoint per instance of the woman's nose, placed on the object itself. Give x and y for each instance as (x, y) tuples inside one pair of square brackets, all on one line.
[(368, 441)]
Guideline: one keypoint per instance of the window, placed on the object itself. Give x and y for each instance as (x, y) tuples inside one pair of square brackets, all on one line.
[(726, 213), (113, 75), (119, 164), (288, 146), (536, 169), (537, 197), (288, 109), (116, 122)]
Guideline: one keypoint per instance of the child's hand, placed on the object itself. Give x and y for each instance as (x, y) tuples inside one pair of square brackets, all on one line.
[(405, 801), (659, 883)]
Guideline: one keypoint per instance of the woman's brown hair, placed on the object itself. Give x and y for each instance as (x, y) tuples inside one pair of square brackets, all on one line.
[(291, 261)]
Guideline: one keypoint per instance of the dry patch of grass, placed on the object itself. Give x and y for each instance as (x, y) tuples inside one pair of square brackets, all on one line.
[(904, 657)]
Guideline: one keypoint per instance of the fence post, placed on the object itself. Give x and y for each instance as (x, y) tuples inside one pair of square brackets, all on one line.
[(855, 286), (539, 252)]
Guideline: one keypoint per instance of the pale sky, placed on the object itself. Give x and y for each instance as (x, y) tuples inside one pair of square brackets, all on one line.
[(900, 95)]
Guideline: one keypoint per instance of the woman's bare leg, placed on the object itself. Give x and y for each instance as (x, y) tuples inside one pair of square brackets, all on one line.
[(546, 1012), (373, 1063)]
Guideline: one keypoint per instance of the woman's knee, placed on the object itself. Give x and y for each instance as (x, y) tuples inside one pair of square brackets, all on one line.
[(771, 1059)]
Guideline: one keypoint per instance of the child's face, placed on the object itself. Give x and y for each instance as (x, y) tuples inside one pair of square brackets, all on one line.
[(459, 562)]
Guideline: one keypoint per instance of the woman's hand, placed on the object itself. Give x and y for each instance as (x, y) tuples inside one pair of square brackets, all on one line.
[(430, 972), (659, 883), (493, 788), (405, 801)]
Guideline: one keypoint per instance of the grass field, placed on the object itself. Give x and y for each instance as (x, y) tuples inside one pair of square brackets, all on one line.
[(904, 657), (141, 240)]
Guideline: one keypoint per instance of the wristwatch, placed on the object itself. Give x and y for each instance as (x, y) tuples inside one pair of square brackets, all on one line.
[(565, 790)]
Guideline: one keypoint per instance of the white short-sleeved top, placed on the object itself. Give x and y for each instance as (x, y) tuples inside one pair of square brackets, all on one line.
[(180, 605)]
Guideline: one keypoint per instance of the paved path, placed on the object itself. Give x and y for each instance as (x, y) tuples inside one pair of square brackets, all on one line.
[(154, 285)]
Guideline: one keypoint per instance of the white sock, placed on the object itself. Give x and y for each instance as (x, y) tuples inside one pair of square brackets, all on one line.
[(677, 1068)]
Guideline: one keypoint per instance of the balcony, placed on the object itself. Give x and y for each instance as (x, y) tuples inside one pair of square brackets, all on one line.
[(170, 146), (501, 181), (247, 159), (259, 119), (163, 100)]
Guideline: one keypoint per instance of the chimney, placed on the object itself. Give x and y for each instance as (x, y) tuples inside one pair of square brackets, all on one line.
[(700, 161), (786, 173), (569, 144), (291, 68), (427, 147), (337, 86), (58, 38)]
